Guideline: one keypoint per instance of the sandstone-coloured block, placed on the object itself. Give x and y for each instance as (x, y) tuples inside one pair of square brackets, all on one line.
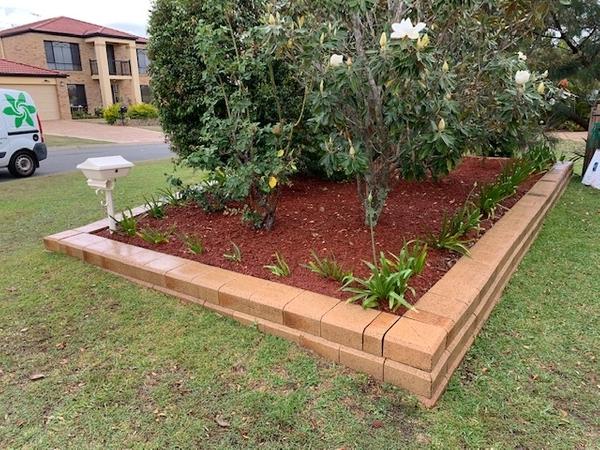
[(414, 343), (180, 278), (362, 361), (376, 330), (278, 330), (413, 380), (94, 226), (441, 311), (132, 265), (74, 245), (236, 294), (304, 312), (245, 319), (345, 324), (269, 300), (210, 281), (458, 347), (328, 350), (154, 271)]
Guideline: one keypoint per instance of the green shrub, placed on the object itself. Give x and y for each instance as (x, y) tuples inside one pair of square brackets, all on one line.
[(154, 207), (142, 111), (112, 113), (389, 279)]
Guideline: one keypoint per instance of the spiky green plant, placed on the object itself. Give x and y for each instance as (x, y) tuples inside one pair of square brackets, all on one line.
[(194, 243), (389, 278), (326, 267), (155, 208), (234, 254), (153, 236), (280, 267), (455, 228), (128, 223)]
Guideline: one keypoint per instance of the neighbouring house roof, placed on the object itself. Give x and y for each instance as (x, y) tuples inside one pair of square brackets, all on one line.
[(65, 26), (12, 68)]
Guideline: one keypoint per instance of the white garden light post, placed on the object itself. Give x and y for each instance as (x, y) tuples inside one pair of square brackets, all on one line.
[(101, 174)]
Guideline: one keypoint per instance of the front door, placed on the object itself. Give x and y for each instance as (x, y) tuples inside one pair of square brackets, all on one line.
[(110, 54), (114, 87)]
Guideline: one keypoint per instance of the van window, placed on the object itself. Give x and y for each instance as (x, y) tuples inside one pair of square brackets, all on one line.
[(62, 55)]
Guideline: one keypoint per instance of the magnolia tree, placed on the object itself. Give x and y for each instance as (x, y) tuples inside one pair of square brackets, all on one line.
[(388, 95), (250, 100)]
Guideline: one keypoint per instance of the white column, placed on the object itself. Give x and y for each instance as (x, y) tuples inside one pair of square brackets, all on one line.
[(103, 74), (135, 73)]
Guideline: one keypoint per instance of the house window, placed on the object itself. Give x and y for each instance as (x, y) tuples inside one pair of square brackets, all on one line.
[(146, 93), (62, 55), (143, 61), (77, 97)]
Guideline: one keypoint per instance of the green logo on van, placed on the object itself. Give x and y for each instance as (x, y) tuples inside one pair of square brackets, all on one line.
[(20, 109)]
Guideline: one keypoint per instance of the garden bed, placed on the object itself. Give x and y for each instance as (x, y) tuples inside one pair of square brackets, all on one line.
[(326, 217), (418, 351)]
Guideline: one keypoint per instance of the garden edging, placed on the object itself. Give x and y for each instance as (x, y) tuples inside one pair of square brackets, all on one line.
[(418, 351)]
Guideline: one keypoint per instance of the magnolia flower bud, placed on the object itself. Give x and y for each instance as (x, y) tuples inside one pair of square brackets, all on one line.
[(322, 39), (522, 77), (423, 42), (441, 125), (445, 67), (336, 60), (448, 96), (322, 86), (383, 40), (272, 20), (272, 182), (541, 89), (349, 61), (370, 197), (301, 21), (280, 153), (352, 151), (545, 74)]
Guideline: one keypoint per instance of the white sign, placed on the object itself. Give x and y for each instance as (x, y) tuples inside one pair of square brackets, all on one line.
[(592, 175)]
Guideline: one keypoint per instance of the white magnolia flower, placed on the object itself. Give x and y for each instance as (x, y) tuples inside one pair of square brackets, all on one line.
[(336, 60), (522, 56), (545, 74), (522, 77), (405, 29)]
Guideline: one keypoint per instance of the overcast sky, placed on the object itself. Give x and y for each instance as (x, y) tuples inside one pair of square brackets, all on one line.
[(126, 15)]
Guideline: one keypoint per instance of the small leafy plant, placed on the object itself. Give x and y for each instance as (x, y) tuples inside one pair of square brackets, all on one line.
[(156, 209), (389, 279), (193, 243), (154, 236), (234, 254), (455, 228), (128, 223), (280, 268), (326, 267), (171, 197)]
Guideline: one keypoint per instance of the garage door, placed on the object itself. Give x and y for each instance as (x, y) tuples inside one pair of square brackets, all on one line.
[(44, 96)]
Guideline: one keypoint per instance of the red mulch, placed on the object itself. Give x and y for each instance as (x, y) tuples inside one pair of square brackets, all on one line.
[(326, 217)]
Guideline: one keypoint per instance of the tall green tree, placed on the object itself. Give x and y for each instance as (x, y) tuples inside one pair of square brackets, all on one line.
[(570, 39)]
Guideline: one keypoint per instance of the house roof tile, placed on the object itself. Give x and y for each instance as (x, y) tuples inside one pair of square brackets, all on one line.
[(67, 26), (19, 69)]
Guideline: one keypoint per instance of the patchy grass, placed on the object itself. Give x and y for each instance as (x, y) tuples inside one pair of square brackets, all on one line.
[(68, 141), (127, 367)]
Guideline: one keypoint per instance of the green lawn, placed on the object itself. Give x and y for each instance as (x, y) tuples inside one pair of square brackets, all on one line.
[(68, 141), (128, 367)]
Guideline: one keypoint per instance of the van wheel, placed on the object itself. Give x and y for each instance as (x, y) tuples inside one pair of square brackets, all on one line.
[(22, 164)]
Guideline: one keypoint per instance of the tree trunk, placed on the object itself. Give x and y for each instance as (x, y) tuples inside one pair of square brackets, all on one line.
[(374, 187), (593, 141)]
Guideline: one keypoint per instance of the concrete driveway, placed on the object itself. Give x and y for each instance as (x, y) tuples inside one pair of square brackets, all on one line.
[(102, 132)]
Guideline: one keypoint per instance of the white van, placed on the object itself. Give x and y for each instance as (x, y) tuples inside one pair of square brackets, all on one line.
[(22, 144)]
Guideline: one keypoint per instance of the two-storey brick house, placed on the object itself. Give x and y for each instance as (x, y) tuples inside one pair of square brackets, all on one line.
[(103, 65)]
